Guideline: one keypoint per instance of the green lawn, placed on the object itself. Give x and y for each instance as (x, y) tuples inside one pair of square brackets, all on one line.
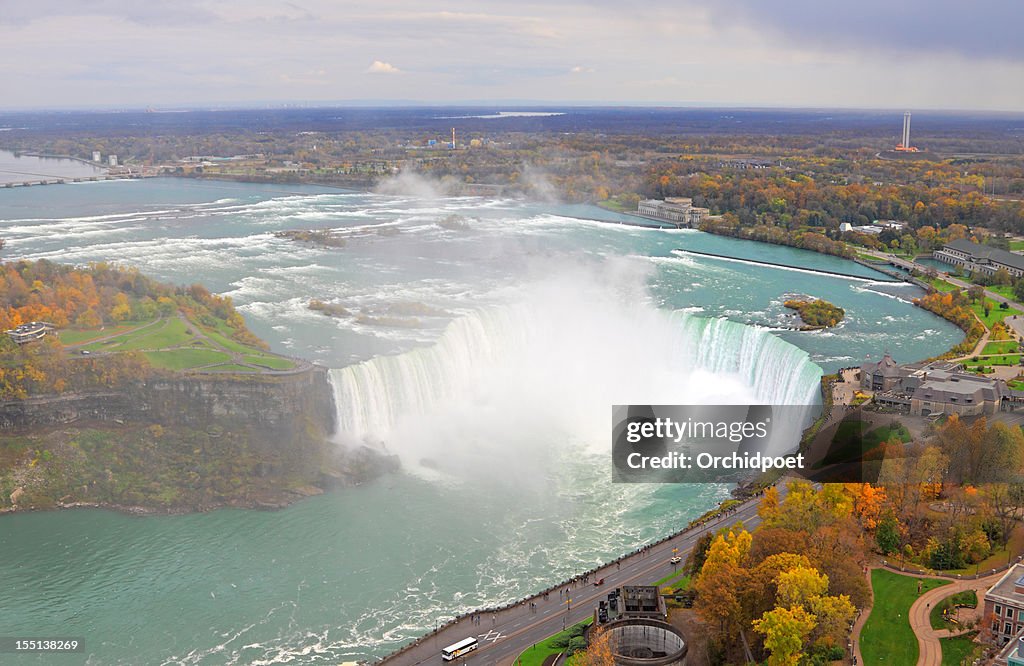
[(1006, 359), (1016, 245), (965, 598), (887, 637), (231, 367), (850, 442), (1003, 290), (268, 361), (183, 359), (995, 314), (535, 655), (77, 336), (221, 336), (884, 433), (1002, 347), (940, 284), (172, 333), (960, 650)]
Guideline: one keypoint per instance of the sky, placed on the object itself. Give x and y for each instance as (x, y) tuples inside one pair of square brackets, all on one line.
[(913, 54)]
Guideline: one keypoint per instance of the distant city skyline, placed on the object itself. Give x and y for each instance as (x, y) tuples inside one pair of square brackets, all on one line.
[(168, 54)]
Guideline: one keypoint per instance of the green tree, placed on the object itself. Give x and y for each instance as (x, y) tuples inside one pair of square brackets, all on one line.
[(887, 536)]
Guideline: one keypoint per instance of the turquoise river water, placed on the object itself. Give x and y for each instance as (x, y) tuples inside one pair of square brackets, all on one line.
[(485, 344)]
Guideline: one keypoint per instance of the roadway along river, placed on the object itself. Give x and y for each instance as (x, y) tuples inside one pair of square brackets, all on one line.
[(504, 634)]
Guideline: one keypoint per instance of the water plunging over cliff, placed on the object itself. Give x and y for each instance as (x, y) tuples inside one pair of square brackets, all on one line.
[(554, 363)]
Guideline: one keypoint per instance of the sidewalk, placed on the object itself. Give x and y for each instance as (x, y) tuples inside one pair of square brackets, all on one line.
[(920, 621)]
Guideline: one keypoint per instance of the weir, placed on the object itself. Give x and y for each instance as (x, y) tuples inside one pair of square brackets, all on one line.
[(785, 266)]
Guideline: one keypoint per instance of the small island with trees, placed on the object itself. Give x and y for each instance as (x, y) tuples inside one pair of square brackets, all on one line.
[(816, 313)]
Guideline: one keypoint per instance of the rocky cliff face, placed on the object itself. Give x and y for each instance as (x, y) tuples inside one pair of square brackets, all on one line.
[(279, 403), (179, 442)]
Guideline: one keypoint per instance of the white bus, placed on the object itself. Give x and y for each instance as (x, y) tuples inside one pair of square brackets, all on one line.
[(458, 649)]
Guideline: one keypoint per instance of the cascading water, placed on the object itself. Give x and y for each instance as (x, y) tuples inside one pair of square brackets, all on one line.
[(547, 369)]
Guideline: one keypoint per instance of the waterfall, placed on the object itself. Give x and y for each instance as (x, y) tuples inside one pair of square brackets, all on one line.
[(565, 364)]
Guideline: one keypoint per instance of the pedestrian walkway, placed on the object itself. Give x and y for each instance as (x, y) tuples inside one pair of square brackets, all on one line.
[(920, 616)]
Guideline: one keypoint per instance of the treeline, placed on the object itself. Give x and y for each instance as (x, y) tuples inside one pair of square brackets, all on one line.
[(954, 499), (40, 368), (788, 200), (730, 225), (954, 306)]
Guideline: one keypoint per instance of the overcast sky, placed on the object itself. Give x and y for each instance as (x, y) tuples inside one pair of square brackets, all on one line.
[(913, 54)]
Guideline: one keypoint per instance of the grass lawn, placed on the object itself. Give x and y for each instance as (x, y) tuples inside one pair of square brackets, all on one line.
[(1016, 245), (851, 442), (268, 361), (960, 650), (615, 205), (995, 314), (231, 367), (535, 655), (77, 336), (1006, 359), (941, 285), (172, 333), (1004, 347), (883, 433), (183, 359), (1003, 290), (965, 598), (222, 338), (887, 637)]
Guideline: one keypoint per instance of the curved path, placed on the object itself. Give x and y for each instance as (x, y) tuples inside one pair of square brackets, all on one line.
[(930, 649)]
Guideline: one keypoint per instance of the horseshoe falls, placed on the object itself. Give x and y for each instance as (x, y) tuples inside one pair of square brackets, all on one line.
[(485, 353)]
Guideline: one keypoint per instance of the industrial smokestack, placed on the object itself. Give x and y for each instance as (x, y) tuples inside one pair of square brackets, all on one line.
[(906, 129)]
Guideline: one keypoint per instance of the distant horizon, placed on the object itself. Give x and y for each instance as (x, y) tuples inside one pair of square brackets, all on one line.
[(491, 105)]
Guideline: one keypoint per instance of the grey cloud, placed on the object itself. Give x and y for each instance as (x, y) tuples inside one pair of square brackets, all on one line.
[(147, 12), (978, 29)]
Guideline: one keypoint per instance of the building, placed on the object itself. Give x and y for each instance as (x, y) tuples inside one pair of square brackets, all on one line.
[(936, 388), (112, 160), (34, 330), (973, 257), (1013, 653), (1004, 606), (679, 210), (882, 376), (96, 157)]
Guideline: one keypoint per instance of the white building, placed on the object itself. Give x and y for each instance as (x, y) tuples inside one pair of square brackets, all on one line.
[(679, 210)]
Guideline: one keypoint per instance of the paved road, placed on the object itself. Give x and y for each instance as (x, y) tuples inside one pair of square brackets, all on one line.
[(506, 633)]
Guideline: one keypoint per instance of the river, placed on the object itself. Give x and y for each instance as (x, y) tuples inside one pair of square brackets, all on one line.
[(485, 342)]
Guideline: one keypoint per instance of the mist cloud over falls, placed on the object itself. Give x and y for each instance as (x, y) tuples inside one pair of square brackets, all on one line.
[(507, 388)]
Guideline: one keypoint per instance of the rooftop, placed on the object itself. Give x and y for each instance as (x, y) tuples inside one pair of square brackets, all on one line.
[(992, 254), (1004, 589)]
